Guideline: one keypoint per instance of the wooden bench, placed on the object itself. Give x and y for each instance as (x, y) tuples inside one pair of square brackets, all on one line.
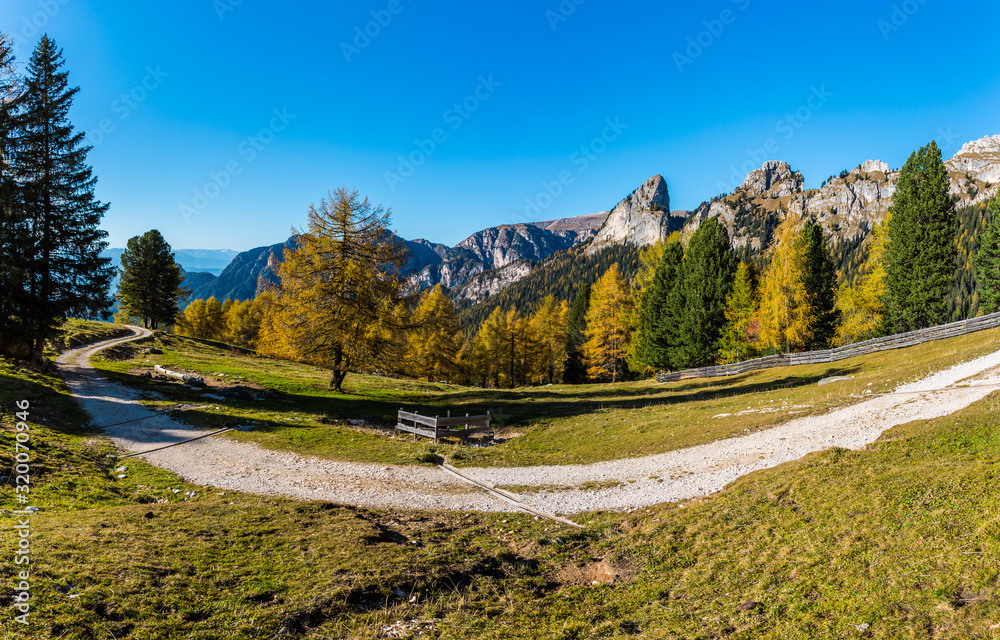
[(438, 427)]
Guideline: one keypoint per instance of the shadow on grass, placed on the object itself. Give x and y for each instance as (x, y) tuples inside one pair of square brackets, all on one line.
[(508, 407)]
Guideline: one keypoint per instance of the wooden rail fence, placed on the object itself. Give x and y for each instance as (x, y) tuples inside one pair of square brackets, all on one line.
[(898, 341), (438, 427)]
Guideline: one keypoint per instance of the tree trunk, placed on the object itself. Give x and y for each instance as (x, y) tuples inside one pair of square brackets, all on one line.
[(37, 354), (337, 380)]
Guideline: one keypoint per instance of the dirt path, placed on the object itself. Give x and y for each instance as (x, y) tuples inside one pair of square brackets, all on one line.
[(676, 475)]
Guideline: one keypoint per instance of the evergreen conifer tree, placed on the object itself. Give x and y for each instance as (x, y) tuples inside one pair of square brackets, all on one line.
[(709, 266), (15, 241), (821, 286), (921, 255), (65, 273), (987, 262), (575, 371), (659, 312), (151, 280)]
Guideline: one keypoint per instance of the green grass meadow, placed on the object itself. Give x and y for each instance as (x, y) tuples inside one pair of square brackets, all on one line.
[(898, 540)]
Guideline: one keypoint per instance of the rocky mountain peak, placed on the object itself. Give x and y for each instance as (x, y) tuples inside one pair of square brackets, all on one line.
[(975, 170), (872, 166), (775, 177), (641, 218), (985, 145)]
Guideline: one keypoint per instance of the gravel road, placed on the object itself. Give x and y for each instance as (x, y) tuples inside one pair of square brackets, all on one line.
[(676, 475)]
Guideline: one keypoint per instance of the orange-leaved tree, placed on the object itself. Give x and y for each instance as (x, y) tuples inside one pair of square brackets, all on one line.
[(341, 305), (786, 317), (608, 326)]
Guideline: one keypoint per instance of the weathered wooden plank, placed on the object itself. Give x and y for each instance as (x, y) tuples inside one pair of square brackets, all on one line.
[(416, 417), (429, 433), (470, 420)]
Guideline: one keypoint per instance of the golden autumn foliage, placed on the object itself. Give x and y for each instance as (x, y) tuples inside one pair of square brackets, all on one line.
[(432, 351), (202, 319), (861, 306), (500, 350), (785, 309), (608, 326), (739, 336), (548, 330), (234, 321), (341, 304)]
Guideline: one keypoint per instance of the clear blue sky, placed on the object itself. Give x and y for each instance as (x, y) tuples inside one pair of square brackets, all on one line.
[(885, 77)]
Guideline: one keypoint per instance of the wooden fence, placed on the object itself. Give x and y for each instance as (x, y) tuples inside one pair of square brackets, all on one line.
[(438, 427), (867, 347)]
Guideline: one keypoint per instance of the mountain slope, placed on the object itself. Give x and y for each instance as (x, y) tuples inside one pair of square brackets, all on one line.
[(498, 248), (560, 275)]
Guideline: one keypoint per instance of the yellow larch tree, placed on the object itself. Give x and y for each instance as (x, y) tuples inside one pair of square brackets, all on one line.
[(785, 309), (861, 306), (548, 330), (202, 319), (608, 326), (432, 352), (341, 305)]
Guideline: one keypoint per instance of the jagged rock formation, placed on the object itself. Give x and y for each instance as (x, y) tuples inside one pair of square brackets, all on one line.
[(492, 282), (642, 218), (847, 206), (752, 212), (488, 262), (975, 170), (498, 247)]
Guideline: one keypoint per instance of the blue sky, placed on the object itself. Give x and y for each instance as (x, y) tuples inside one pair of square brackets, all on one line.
[(219, 121)]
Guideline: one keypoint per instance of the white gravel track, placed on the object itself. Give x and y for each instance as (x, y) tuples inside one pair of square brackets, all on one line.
[(676, 475)]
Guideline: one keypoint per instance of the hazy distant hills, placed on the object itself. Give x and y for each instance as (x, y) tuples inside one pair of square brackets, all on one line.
[(206, 260)]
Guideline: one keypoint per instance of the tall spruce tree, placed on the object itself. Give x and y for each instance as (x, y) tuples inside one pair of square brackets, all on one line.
[(709, 267), (151, 280), (920, 258), (659, 312), (821, 286), (15, 241), (575, 371), (66, 274), (987, 262)]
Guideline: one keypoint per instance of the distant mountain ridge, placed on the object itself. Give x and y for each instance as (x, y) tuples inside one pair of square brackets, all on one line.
[(490, 261)]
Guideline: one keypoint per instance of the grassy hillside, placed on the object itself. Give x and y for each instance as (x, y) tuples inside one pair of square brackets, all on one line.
[(289, 406), (895, 541)]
